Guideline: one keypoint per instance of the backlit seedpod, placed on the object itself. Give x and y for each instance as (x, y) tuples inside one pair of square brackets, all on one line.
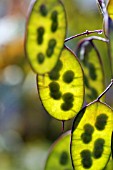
[(45, 34), (93, 69), (110, 8), (62, 90), (59, 155), (91, 137)]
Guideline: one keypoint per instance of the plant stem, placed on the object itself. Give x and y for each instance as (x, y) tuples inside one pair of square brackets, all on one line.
[(63, 124), (95, 38), (102, 6), (105, 91), (84, 33), (103, 9)]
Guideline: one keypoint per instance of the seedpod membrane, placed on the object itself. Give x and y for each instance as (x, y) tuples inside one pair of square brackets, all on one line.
[(59, 155), (62, 90), (91, 137), (110, 29), (45, 34), (93, 69)]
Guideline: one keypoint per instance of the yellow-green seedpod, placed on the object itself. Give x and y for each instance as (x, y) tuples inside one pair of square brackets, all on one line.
[(110, 30), (62, 90), (109, 165), (59, 155), (93, 70), (45, 34), (91, 137), (110, 8)]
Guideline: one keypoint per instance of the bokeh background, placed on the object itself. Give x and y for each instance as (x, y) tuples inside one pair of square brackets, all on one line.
[(26, 130)]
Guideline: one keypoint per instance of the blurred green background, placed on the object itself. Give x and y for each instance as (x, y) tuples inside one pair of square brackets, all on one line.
[(26, 130)]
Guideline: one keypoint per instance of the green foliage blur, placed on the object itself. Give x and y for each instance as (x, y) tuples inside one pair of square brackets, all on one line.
[(26, 130)]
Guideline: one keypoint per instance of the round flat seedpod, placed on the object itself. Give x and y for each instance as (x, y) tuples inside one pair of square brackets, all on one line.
[(91, 137), (109, 165), (110, 8), (45, 34), (59, 155), (62, 90), (93, 70)]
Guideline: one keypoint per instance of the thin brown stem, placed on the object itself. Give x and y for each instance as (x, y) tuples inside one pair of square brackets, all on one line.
[(63, 125), (84, 33), (105, 91)]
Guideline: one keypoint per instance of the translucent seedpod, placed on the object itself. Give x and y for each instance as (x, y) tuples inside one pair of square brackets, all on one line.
[(91, 137), (110, 8), (110, 31), (45, 34), (93, 68), (62, 90), (59, 155), (109, 165)]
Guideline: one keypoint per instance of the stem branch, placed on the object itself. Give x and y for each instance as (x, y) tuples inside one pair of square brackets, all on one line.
[(102, 6), (105, 91), (96, 38), (84, 33)]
